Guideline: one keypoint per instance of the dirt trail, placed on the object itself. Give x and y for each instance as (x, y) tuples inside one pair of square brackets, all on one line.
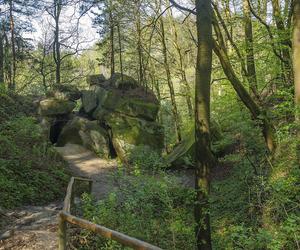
[(35, 228)]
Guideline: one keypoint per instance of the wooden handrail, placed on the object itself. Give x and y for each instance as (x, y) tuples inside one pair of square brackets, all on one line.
[(65, 217)]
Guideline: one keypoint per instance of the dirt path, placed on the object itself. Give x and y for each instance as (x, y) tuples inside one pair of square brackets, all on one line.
[(35, 228)]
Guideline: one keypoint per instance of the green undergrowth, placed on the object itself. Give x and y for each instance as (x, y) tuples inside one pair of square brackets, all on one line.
[(31, 172), (255, 206)]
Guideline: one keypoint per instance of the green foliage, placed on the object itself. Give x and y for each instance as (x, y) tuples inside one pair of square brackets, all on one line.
[(30, 170), (143, 158), (154, 209)]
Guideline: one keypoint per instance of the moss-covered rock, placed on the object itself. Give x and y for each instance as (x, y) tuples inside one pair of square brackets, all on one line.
[(124, 82), (103, 100), (95, 79), (65, 92), (184, 153), (53, 106), (89, 101), (87, 133), (128, 132)]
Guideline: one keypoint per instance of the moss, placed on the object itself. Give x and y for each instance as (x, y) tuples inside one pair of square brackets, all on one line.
[(53, 106)]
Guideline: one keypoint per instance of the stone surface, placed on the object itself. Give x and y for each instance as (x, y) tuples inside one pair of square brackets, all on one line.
[(65, 92), (183, 154), (89, 101), (95, 79), (87, 133), (53, 106), (128, 132), (123, 81)]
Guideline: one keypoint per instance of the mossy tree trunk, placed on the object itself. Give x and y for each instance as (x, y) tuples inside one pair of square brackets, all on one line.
[(296, 56), (204, 160), (250, 62)]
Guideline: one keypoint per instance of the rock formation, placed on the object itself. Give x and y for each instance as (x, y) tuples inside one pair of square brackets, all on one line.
[(116, 115)]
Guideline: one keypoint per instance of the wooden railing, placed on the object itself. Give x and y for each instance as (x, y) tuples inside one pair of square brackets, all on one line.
[(65, 217)]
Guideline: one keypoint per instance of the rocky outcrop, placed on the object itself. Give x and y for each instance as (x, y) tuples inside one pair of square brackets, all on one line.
[(87, 133), (53, 107), (183, 153), (128, 132), (116, 113), (127, 109)]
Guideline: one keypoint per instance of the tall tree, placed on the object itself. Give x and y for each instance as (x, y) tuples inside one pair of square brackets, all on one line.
[(170, 82), (1, 53), (250, 62), (296, 56), (56, 45), (204, 159)]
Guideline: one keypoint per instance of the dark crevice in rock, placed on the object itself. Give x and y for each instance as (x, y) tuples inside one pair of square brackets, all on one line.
[(56, 129)]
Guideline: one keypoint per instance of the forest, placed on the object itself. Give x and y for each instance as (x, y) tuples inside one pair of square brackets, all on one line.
[(183, 116)]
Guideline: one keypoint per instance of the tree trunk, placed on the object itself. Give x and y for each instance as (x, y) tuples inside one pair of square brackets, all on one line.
[(251, 70), (1, 55), (267, 128), (204, 160), (285, 42), (170, 83), (112, 44), (56, 47), (296, 56), (120, 51), (139, 45), (12, 84), (187, 88)]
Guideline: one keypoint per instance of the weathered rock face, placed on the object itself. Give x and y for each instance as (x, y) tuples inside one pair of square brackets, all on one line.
[(65, 92), (118, 113), (184, 153), (95, 79), (128, 132), (53, 107), (87, 133), (128, 110)]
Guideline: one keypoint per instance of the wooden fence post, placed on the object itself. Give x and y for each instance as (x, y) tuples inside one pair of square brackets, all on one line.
[(62, 233)]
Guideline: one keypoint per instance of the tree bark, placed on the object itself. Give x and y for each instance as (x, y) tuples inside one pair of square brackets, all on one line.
[(56, 47), (139, 44), (296, 56), (285, 42), (186, 85), (170, 83), (204, 160), (250, 62), (267, 128), (112, 44), (1, 55), (12, 84), (120, 50)]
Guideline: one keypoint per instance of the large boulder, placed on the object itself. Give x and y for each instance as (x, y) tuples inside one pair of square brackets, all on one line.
[(53, 107), (101, 100), (128, 132), (65, 92), (95, 79), (87, 133), (183, 153), (89, 101), (124, 82)]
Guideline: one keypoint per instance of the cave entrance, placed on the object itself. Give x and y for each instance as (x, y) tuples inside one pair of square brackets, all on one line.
[(56, 129)]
